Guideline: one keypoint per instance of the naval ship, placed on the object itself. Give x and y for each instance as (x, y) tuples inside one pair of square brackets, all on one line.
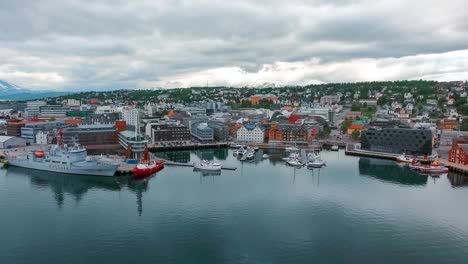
[(64, 159)]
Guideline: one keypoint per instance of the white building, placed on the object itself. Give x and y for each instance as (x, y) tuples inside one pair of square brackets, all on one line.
[(73, 102), (7, 142), (42, 138), (130, 115), (105, 109), (250, 133), (33, 108)]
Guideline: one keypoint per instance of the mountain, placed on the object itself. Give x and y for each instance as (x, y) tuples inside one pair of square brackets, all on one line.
[(14, 92)]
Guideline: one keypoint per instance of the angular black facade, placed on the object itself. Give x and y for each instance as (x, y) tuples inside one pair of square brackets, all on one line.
[(398, 140)]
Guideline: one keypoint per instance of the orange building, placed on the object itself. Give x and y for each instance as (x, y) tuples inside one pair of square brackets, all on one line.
[(255, 99), (355, 127), (72, 121), (448, 124)]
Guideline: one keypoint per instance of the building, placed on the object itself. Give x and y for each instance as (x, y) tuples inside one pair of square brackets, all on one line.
[(91, 135), (355, 127), (448, 124), (202, 131), (7, 142), (397, 140), (220, 130), (255, 99), (353, 115), (32, 109), (133, 143), (13, 127), (250, 133), (30, 130), (44, 138), (105, 118), (459, 154), (53, 111), (329, 99), (73, 102), (290, 133), (168, 132), (131, 115), (369, 102)]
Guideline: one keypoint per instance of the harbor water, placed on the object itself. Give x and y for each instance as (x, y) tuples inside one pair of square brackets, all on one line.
[(354, 210)]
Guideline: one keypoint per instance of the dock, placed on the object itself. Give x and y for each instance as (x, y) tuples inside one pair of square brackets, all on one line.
[(193, 146), (454, 167), (173, 163)]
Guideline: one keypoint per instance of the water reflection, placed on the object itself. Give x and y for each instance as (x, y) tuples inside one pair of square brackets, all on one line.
[(457, 180), (77, 186), (389, 171)]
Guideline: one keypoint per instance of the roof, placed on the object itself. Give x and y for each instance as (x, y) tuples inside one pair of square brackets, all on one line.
[(356, 126), (464, 147), (5, 138)]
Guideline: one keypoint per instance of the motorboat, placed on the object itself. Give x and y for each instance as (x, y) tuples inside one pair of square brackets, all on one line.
[(147, 167), (265, 156), (335, 148), (312, 156), (405, 159), (294, 162), (250, 155), (292, 149), (433, 169), (316, 163), (256, 148), (205, 165)]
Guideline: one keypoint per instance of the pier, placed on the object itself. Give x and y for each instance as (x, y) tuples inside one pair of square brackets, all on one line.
[(192, 146), (454, 167)]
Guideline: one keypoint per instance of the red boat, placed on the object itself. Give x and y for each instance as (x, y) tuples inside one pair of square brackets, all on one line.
[(147, 167)]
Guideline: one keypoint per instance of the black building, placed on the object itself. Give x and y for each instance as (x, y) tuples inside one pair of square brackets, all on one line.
[(169, 132), (398, 140)]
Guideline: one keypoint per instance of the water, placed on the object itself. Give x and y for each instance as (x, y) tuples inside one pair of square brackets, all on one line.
[(355, 210)]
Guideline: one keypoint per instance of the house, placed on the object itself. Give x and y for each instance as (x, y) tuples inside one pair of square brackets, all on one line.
[(329, 99), (448, 124), (250, 133), (459, 154), (353, 115), (355, 127), (369, 102)]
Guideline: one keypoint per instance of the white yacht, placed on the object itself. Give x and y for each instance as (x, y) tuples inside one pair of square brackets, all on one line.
[(205, 165)]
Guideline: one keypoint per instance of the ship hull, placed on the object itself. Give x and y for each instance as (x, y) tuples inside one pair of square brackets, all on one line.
[(101, 170)]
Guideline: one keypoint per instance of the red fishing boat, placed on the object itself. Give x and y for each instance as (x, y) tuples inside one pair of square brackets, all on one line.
[(147, 166)]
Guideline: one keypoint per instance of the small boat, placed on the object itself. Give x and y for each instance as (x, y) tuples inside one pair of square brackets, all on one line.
[(404, 158), (250, 155), (433, 169), (147, 167), (265, 156), (256, 148), (292, 149), (316, 163), (294, 162), (335, 148), (312, 156), (205, 165)]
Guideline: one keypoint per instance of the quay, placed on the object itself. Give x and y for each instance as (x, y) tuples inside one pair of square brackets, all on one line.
[(454, 167), (351, 150), (193, 146)]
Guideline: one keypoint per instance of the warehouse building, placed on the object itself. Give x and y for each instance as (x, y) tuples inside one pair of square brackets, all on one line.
[(7, 142)]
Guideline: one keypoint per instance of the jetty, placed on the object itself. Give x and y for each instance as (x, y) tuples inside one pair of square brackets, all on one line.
[(454, 167)]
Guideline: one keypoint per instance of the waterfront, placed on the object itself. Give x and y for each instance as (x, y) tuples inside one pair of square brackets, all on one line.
[(355, 210)]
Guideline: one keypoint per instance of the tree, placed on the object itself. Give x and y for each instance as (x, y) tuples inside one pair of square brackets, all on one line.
[(344, 126), (355, 107), (464, 125), (355, 135)]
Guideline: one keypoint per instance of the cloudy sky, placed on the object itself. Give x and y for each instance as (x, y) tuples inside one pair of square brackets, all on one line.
[(115, 44)]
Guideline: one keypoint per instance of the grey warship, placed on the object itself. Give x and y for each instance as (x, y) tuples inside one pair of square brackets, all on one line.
[(64, 159)]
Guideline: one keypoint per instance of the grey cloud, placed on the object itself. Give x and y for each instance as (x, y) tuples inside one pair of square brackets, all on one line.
[(120, 44)]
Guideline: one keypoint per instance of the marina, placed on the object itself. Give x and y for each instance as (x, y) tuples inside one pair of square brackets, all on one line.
[(179, 208)]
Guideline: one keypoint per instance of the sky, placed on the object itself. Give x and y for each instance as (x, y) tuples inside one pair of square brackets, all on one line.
[(139, 44)]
